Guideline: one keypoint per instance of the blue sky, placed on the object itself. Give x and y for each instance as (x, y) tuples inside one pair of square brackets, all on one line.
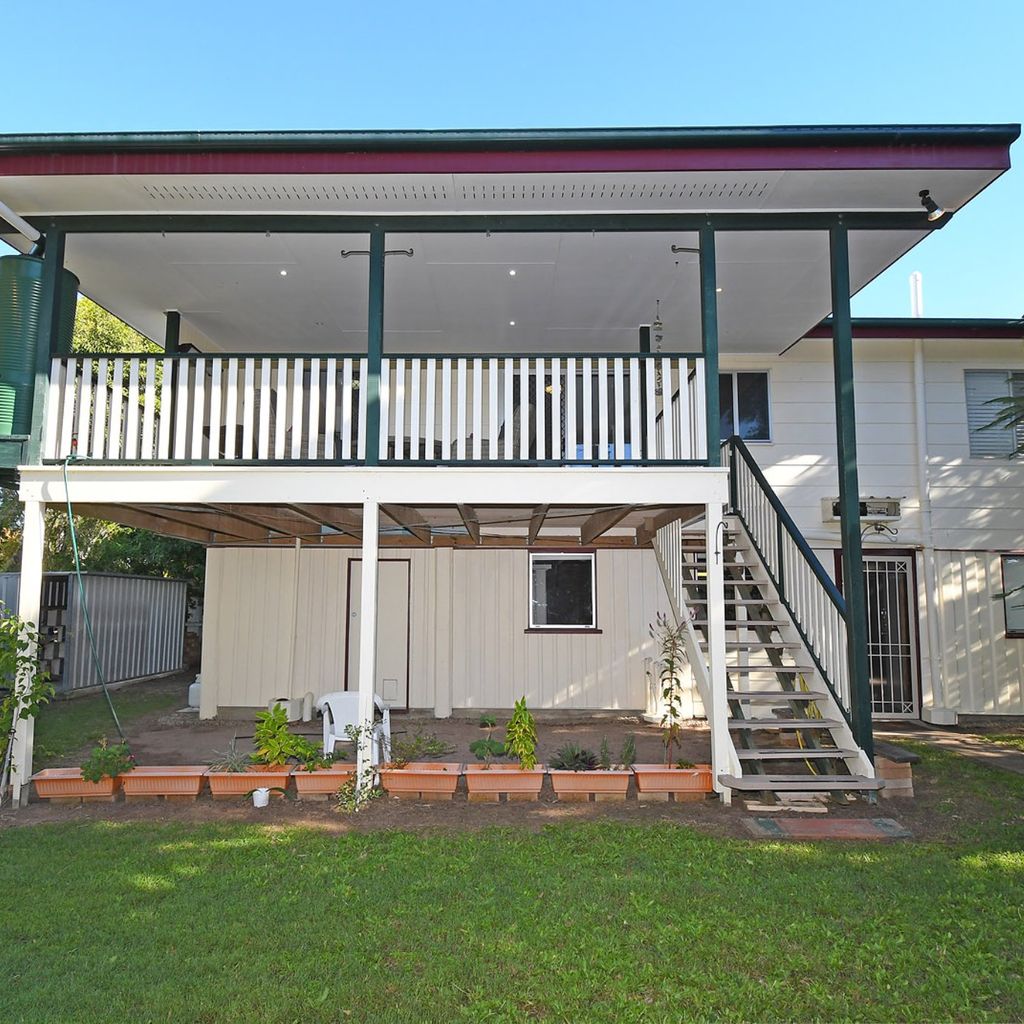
[(122, 65)]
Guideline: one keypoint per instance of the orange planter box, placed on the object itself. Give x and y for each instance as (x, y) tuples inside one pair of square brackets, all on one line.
[(422, 780), (517, 784), (68, 784), (322, 783), (173, 781), (605, 785), (227, 785), (657, 782)]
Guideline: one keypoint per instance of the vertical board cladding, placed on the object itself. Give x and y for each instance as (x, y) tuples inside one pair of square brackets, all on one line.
[(139, 624), (982, 669), (494, 661), (468, 650)]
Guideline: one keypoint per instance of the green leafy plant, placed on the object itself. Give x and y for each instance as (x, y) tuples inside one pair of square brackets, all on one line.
[(107, 761), (521, 736), (417, 747), (487, 749), (28, 688), (487, 721), (310, 755), (355, 793), (604, 756), (669, 639), (274, 743), (627, 755), (573, 758), (230, 760), (683, 763)]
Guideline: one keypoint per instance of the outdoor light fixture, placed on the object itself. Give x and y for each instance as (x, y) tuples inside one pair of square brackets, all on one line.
[(934, 210), (284, 273), (511, 323), (511, 273)]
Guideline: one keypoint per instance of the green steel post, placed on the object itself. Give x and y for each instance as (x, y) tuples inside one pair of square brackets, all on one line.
[(172, 331), (47, 339), (709, 335), (849, 490), (374, 347), (639, 444), (645, 339)]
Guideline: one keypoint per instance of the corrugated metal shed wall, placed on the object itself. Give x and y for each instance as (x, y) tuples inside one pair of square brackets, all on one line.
[(139, 624)]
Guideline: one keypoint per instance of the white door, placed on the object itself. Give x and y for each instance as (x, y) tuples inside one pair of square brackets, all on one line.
[(892, 635), (392, 684)]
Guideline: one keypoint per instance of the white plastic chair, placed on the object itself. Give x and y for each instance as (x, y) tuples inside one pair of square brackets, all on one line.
[(341, 710)]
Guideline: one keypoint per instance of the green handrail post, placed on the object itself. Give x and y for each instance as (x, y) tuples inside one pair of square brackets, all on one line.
[(849, 490), (374, 347), (709, 337)]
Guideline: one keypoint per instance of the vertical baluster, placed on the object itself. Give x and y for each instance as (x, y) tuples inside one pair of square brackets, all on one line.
[(263, 445), (131, 427), (248, 407), (539, 395), (116, 411), (446, 408), (180, 425), (524, 410), (650, 436), (666, 407), (298, 392), (415, 372), (684, 433), (492, 409), (635, 447), (385, 409), (399, 404), (346, 408), (281, 411), (361, 417), (330, 407), (84, 408), (215, 405), (587, 384), (556, 409), (148, 411), (166, 411), (602, 409), (313, 434), (67, 412), (430, 412), (509, 411), (619, 412), (198, 407), (99, 415), (478, 409), (53, 409), (460, 410), (570, 409), (700, 417), (231, 410)]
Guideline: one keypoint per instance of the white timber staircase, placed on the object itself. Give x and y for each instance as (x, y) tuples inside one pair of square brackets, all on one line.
[(788, 725)]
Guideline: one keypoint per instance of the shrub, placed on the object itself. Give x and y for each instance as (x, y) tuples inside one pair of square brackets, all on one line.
[(521, 736), (108, 761), (573, 758)]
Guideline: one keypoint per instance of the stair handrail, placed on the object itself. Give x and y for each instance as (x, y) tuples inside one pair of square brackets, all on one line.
[(816, 607)]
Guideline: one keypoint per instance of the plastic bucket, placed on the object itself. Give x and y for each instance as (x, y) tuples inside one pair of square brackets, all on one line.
[(260, 797)]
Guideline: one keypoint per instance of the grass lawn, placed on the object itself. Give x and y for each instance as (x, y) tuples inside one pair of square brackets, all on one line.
[(150, 921), (1009, 739), (65, 727)]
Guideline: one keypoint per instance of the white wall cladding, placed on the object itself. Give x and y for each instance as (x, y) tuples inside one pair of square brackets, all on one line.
[(273, 616), (981, 668), (977, 506)]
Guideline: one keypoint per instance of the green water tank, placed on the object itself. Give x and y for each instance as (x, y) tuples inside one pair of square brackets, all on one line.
[(21, 304)]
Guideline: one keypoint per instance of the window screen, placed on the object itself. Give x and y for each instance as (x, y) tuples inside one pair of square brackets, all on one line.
[(1013, 594), (562, 591), (744, 405), (983, 387)]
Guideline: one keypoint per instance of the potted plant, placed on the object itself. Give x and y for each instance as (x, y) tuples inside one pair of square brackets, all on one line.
[(172, 782), (409, 777), (234, 773), (99, 778), (577, 773), (520, 781), (682, 780), (318, 776)]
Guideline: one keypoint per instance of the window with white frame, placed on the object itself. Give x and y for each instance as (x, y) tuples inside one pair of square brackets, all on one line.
[(562, 590), (1013, 594), (743, 401), (984, 389)]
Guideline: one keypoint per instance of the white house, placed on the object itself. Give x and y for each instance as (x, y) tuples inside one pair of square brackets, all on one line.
[(499, 368)]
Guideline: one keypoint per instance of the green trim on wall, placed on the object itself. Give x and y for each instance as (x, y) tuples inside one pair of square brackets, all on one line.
[(709, 336)]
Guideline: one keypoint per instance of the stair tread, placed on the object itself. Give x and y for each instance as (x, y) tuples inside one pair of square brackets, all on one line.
[(801, 783), (746, 623), (791, 753), (770, 695), (788, 670), (746, 645), (784, 723)]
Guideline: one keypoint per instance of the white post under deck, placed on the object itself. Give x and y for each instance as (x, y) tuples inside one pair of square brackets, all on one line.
[(718, 713), (29, 592), (367, 635)]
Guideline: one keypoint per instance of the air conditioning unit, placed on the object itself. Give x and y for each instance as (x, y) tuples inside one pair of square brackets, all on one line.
[(872, 510)]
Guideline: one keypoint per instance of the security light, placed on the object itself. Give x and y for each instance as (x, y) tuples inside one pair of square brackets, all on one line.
[(934, 210)]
